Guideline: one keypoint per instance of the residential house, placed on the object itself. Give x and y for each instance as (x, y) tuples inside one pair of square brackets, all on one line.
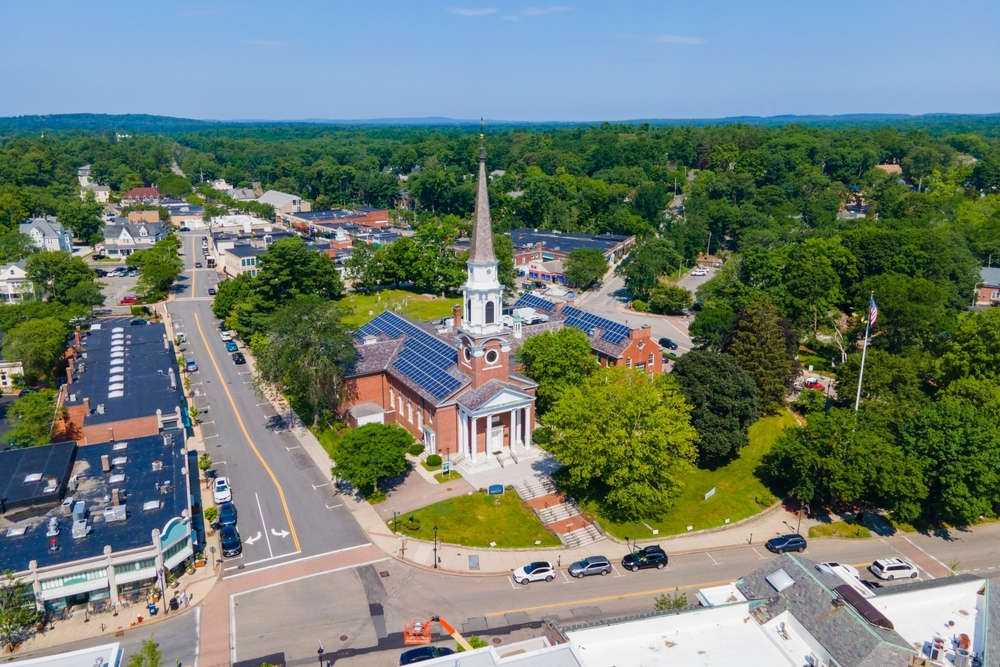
[(14, 283), (988, 289), (8, 369), (135, 217), (48, 233), (102, 193), (220, 185), (284, 202), (83, 175), (186, 215), (240, 259), (242, 194), (121, 238), (142, 195)]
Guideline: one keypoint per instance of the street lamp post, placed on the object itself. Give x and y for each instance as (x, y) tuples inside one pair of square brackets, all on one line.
[(319, 653), (395, 515), (435, 547)]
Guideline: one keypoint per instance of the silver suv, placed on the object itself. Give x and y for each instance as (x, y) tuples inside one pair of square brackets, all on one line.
[(894, 568)]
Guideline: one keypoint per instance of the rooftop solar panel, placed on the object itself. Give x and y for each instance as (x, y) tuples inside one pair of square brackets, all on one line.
[(536, 302)]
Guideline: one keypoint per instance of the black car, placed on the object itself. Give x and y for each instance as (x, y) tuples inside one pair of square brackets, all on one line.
[(651, 556), (667, 343), (238, 358), (184, 229), (423, 653), (227, 514), (211, 291), (232, 545), (138, 322), (100, 273), (783, 543)]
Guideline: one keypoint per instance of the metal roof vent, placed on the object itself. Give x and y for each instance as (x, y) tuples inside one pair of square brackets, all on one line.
[(116, 479), (100, 408), (119, 460), (119, 446), (157, 466)]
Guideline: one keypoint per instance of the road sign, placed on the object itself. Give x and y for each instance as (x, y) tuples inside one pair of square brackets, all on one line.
[(446, 467)]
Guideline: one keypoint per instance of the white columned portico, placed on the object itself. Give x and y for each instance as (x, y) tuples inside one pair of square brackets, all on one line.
[(513, 428), (472, 445), (527, 428)]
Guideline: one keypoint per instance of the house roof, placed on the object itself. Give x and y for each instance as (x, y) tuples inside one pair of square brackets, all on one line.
[(564, 242), (245, 251), (606, 336), (49, 227), (242, 194), (473, 399), (990, 276), (277, 199), (143, 193), (26, 474), (425, 363)]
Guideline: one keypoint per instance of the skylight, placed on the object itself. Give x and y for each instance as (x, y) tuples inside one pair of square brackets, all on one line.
[(780, 580), (33, 477)]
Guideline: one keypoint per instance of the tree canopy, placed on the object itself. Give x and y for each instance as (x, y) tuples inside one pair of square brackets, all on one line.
[(556, 360), (371, 453), (585, 266), (763, 346)]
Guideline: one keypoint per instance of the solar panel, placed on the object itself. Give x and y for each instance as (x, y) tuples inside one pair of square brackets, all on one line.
[(580, 324), (570, 311), (536, 302), (613, 332)]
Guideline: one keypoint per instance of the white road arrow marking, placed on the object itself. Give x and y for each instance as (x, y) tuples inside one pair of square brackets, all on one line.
[(283, 533), (251, 540)]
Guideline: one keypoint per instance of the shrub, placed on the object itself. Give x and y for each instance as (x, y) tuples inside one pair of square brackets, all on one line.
[(475, 642), (810, 401), (211, 514), (137, 311), (416, 449), (639, 306), (668, 601), (434, 460)]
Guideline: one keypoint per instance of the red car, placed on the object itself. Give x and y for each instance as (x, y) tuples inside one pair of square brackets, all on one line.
[(813, 384), (130, 298)]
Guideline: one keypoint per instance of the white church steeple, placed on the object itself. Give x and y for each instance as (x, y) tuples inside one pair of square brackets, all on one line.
[(482, 291)]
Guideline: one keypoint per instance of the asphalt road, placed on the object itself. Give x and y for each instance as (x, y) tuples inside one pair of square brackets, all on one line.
[(286, 509)]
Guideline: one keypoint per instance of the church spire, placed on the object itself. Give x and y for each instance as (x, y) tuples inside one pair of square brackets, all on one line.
[(482, 226)]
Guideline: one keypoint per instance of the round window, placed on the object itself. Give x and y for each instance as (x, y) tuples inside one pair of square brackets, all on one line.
[(492, 356), (468, 354)]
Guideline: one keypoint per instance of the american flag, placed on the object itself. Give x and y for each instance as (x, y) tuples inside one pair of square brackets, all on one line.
[(872, 312)]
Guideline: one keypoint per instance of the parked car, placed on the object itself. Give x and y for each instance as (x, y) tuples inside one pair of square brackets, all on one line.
[(221, 491), (231, 346), (590, 565), (239, 359), (813, 383), (100, 273), (894, 568), (133, 274), (647, 557), (833, 567), (184, 229), (211, 291), (138, 322), (197, 265), (700, 272), (190, 365), (783, 543), (538, 571), (667, 343), (226, 336), (423, 653), (130, 298), (227, 514), (232, 545)]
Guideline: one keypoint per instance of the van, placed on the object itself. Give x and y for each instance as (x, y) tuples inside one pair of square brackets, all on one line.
[(190, 365)]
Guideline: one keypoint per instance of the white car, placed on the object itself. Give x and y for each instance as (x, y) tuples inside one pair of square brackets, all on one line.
[(894, 568), (226, 337), (700, 272), (222, 492), (833, 567), (539, 571)]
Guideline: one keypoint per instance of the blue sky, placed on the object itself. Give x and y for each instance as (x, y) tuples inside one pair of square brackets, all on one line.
[(499, 58)]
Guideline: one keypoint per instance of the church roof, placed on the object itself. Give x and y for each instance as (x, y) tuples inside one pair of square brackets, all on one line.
[(606, 336), (482, 226), (423, 362), (473, 399)]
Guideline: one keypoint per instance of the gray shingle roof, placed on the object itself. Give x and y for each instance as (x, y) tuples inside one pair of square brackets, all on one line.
[(990, 276), (840, 630)]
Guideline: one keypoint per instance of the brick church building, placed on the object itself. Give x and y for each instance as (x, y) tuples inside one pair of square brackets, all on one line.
[(456, 392)]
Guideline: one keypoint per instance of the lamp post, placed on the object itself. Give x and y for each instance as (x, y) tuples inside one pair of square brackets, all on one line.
[(319, 653), (395, 515), (435, 547), (212, 549), (635, 533)]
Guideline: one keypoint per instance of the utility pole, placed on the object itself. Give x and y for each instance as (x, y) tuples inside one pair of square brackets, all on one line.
[(708, 251)]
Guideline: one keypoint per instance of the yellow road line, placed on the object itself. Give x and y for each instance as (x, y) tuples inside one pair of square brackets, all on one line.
[(194, 270), (281, 494), (621, 596)]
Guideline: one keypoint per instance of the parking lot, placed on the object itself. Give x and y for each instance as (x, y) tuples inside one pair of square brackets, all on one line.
[(114, 289)]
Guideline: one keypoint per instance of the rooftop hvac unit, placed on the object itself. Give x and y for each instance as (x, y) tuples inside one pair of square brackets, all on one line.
[(79, 511), (168, 439), (100, 408), (963, 658), (67, 506), (53, 529), (80, 529), (114, 513), (157, 466)]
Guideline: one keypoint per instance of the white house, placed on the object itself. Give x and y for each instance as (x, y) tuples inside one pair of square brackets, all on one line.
[(14, 283), (8, 369), (284, 202), (102, 193), (121, 240), (48, 234)]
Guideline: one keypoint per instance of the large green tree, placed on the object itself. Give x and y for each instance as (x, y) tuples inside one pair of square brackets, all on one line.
[(306, 351), (158, 266), (974, 350), (82, 218), (626, 439), (148, 655), (585, 266), (17, 610), (289, 269), (15, 246), (556, 360), (56, 274), (37, 344), (646, 262), (710, 326), (371, 453), (32, 417), (723, 400), (670, 299), (762, 344), (911, 311), (230, 292)]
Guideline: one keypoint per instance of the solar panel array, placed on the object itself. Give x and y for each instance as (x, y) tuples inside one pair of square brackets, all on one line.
[(614, 332), (536, 302), (424, 359)]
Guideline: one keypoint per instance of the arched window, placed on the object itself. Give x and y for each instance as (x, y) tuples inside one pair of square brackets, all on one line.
[(490, 312)]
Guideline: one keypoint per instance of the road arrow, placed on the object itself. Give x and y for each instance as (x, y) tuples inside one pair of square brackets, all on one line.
[(251, 540), (283, 533)]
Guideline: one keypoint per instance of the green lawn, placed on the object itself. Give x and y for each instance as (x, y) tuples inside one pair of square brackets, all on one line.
[(478, 519), (417, 306), (839, 529), (738, 492)]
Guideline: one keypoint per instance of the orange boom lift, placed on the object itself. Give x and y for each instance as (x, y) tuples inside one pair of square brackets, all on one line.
[(419, 632)]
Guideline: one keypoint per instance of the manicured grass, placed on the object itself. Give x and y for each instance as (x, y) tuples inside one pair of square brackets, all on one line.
[(430, 468), (476, 520), (411, 304), (738, 492), (839, 529), (442, 477), (900, 525)]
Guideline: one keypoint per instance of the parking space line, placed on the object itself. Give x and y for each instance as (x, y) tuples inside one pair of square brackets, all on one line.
[(511, 580), (297, 447), (332, 507), (758, 553), (319, 486), (617, 573), (209, 437), (714, 562), (264, 524), (564, 576)]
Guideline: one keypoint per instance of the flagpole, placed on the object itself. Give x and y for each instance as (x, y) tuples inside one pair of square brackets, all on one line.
[(864, 352)]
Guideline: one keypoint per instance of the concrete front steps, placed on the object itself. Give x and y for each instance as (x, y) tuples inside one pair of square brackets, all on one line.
[(581, 537)]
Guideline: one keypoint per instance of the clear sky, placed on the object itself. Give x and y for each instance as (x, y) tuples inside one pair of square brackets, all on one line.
[(502, 59)]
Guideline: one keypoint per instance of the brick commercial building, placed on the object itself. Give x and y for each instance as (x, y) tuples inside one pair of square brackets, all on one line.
[(324, 222), (454, 390)]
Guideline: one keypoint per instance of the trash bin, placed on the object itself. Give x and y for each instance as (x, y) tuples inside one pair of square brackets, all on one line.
[(173, 604), (152, 609)]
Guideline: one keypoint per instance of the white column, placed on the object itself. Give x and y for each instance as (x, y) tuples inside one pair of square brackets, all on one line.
[(461, 432), (513, 429), (472, 445), (527, 428)]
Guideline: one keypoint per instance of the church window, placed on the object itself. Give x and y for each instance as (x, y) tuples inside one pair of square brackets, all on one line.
[(492, 356), (392, 398), (467, 353), (490, 312), (420, 418), (409, 411), (628, 362), (652, 359)]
